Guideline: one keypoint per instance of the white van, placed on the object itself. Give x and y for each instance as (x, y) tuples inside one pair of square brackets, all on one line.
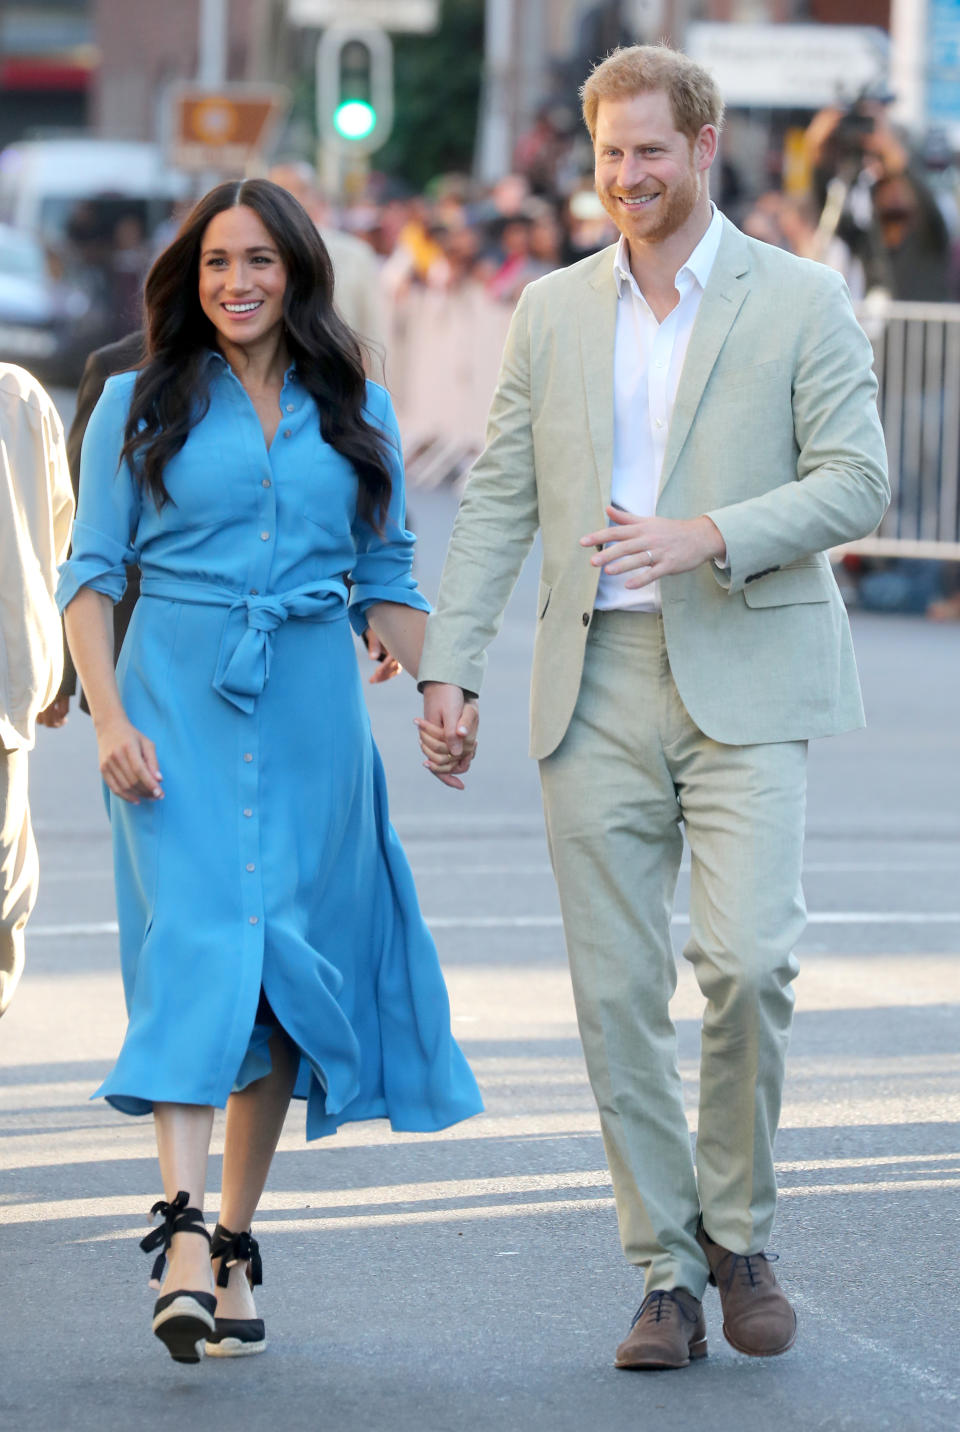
[(43, 180)]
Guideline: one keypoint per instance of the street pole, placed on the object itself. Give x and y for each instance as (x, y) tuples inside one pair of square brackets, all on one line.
[(908, 62), (533, 50), (212, 43), (211, 60), (494, 149)]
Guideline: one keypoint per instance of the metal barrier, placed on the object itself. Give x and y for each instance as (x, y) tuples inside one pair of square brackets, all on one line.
[(444, 356), (917, 361)]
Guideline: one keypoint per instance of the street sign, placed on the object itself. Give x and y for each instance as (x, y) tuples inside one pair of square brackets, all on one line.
[(943, 64), (222, 130), (418, 15), (791, 66)]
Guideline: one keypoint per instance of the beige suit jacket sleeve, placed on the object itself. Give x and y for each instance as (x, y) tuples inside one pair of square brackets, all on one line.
[(494, 530), (843, 489)]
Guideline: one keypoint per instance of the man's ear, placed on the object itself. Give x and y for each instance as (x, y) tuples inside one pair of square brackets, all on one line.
[(705, 147)]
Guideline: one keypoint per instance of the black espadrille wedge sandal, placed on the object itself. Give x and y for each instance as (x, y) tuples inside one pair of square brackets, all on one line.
[(236, 1337), (182, 1320)]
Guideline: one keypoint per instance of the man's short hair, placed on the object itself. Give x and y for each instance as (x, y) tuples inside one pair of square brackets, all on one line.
[(692, 91)]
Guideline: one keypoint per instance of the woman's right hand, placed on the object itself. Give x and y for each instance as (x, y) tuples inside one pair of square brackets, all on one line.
[(128, 761)]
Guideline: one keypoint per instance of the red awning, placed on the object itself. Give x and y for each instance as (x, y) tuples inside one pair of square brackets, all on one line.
[(35, 73)]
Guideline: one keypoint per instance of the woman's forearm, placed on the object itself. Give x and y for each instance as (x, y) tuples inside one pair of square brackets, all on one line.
[(401, 629), (89, 623)]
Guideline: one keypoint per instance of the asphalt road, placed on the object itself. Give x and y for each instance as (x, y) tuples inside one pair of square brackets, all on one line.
[(473, 1280)]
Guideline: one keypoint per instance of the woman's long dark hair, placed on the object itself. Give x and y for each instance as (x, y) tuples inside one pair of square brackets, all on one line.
[(171, 392)]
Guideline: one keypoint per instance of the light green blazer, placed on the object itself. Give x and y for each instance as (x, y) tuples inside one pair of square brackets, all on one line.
[(775, 435)]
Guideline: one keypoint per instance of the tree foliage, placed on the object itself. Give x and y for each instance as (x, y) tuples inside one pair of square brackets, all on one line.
[(437, 81)]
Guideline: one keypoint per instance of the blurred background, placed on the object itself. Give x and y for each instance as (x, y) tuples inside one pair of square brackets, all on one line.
[(438, 145)]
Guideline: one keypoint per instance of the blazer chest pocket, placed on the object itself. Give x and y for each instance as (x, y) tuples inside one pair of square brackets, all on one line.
[(790, 585)]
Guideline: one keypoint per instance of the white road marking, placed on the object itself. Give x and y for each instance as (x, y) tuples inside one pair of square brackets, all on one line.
[(554, 922), (885, 1354), (813, 867)]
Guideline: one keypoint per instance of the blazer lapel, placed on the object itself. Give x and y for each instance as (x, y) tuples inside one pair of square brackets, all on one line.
[(597, 324), (726, 289)]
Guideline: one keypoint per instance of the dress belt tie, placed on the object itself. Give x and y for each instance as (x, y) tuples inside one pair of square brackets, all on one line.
[(246, 648)]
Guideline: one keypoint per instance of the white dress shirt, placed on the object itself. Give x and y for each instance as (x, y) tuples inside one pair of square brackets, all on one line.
[(647, 363)]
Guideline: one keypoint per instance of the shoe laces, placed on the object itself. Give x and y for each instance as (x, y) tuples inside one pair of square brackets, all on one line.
[(176, 1218), (659, 1304), (745, 1266), (233, 1248)]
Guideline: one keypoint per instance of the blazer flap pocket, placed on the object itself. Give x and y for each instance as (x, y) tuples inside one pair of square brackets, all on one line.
[(789, 585), (543, 599)]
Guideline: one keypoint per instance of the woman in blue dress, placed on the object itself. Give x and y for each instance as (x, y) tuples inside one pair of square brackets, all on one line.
[(271, 941)]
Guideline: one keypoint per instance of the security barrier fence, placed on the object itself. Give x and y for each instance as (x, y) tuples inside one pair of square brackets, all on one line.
[(917, 360), (444, 355)]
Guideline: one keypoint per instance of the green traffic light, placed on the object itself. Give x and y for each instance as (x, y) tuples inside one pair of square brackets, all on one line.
[(354, 119)]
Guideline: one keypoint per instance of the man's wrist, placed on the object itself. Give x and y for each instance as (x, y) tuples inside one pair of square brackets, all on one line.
[(713, 537)]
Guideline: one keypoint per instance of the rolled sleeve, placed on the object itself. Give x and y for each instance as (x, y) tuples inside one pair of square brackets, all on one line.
[(98, 561), (383, 569), (108, 510)]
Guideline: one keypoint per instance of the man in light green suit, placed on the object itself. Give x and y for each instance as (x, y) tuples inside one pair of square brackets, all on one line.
[(690, 419)]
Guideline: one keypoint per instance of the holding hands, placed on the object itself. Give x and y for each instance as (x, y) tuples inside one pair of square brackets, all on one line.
[(642, 548), (448, 732), (652, 547)]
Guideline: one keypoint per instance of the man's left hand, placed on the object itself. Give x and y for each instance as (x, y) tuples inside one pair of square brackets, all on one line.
[(56, 713), (649, 548)]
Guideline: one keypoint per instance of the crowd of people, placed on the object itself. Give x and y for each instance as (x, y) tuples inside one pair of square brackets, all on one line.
[(865, 203)]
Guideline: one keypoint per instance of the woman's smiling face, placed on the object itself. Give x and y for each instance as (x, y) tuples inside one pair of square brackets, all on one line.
[(242, 277)]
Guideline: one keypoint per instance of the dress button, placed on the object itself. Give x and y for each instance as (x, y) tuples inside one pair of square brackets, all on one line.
[(266, 482), (251, 867), (248, 755), (264, 536), (659, 422), (586, 618), (288, 433), (248, 812), (254, 591), (254, 920), (291, 407)]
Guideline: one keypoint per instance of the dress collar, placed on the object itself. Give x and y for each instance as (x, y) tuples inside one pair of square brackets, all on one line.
[(213, 355)]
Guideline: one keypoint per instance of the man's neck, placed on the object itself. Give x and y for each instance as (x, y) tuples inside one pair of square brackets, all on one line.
[(655, 265)]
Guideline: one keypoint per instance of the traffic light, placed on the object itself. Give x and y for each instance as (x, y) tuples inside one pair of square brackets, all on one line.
[(355, 88)]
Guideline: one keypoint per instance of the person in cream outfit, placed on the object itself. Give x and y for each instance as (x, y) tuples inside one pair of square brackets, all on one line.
[(690, 419)]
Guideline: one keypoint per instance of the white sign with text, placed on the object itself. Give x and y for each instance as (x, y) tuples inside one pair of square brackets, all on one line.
[(791, 66), (418, 15)]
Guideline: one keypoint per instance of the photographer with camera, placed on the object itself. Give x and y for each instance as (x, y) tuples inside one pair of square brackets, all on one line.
[(872, 193)]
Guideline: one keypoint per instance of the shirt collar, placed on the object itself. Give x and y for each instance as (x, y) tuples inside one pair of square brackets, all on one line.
[(698, 266)]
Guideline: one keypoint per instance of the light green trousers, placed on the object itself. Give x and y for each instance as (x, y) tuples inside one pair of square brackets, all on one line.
[(630, 768), (18, 869)]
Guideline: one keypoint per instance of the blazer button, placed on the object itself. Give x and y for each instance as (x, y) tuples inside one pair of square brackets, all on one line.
[(586, 618)]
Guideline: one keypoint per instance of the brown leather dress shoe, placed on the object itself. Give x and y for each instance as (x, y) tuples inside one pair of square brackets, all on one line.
[(758, 1319), (668, 1331)]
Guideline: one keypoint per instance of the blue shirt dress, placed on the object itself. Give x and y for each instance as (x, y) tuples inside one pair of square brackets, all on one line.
[(270, 863)]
